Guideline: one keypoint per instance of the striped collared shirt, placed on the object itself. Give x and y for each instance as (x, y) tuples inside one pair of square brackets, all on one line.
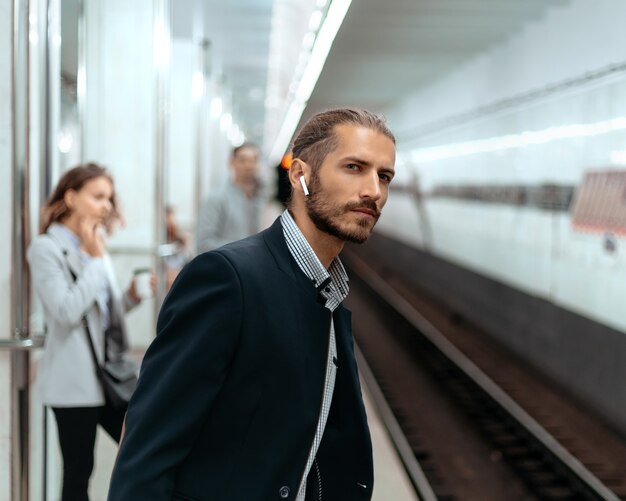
[(332, 284)]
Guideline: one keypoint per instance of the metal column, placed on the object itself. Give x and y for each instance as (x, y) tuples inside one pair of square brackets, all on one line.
[(201, 103), (161, 60), (20, 293)]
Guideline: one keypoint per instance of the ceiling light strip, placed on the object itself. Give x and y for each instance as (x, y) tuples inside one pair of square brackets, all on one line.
[(323, 43), (613, 72), (524, 139)]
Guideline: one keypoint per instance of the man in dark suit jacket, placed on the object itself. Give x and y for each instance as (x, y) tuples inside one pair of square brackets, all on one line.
[(250, 389)]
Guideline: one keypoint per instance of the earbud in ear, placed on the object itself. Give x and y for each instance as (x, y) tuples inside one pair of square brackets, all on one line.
[(304, 187)]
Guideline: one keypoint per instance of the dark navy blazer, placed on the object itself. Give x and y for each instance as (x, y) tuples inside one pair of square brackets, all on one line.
[(230, 389)]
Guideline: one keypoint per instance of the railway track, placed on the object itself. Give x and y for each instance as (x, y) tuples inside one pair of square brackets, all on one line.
[(464, 434)]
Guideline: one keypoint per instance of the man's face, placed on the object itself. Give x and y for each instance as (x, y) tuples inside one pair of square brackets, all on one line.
[(245, 164), (350, 188)]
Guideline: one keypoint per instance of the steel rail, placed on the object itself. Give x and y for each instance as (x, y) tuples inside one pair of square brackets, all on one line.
[(419, 322)]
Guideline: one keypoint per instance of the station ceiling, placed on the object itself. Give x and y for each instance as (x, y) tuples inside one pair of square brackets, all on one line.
[(239, 33), (386, 50), (383, 52)]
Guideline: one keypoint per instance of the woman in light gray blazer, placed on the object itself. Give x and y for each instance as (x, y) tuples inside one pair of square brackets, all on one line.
[(73, 277)]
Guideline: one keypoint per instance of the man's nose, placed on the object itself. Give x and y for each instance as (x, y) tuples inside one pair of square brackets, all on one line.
[(370, 187)]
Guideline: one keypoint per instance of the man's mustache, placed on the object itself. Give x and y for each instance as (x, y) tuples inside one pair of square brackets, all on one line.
[(365, 204)]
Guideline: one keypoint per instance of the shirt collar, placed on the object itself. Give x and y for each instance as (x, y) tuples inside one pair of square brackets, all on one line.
[(69, 234), (332, 284)]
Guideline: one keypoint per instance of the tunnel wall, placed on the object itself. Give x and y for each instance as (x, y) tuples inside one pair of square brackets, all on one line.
[(583, 357)]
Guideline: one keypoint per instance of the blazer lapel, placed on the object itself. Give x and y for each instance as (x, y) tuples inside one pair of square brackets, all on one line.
[(314, 316), (71, 254), (75, 266), (275, 240)]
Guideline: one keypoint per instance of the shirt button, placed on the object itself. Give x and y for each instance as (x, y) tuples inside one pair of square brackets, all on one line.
[(284, 492), (327, 289)]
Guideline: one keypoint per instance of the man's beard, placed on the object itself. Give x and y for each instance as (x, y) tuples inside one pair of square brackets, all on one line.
[(326, 215)]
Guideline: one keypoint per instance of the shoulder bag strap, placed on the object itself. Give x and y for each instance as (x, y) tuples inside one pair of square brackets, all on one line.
[(92, 349)]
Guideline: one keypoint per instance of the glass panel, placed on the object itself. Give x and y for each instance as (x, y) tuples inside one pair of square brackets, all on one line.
[(69, 138)]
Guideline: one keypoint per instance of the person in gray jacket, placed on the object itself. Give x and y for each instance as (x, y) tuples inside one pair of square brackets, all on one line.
[(231, 212), (73, 278)]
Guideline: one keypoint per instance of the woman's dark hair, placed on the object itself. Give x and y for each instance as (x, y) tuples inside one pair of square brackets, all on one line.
[(55, 210), (317, 138)]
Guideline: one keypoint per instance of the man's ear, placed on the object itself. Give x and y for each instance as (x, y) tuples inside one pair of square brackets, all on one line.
[(296, 171)]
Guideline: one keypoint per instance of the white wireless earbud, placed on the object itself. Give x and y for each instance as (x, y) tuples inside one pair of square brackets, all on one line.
[(304, 187)]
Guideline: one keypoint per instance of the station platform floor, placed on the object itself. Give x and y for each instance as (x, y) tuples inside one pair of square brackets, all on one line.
[(390, 480)]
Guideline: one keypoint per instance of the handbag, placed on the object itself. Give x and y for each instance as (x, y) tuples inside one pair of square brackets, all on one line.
[(117, 377)]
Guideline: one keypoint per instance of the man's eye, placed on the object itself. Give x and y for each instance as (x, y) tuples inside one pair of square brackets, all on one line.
[(352, 167)]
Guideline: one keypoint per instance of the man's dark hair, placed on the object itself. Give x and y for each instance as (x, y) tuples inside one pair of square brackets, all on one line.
[(317, 138), (237, 149)]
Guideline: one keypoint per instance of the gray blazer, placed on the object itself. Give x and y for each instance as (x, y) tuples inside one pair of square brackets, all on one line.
[(66, 374), (226, 215)]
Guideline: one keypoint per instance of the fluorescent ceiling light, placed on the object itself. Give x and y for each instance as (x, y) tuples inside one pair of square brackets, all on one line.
[(197, 85), (161, 44), (521, 140), (33, 36), (65, 141), (226, 121), (323, 43), (216, 107), (309, 40), (305, 85), (316, 20), (236, 136), (290, 123)]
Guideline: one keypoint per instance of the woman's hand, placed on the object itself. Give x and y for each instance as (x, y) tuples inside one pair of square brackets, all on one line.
[(91, 238)]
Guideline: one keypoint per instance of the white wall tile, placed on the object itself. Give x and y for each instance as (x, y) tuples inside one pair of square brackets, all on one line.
[(569, 41), (536, 251)]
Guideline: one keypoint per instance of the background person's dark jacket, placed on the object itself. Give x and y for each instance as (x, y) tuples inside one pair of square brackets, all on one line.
[(230, 390)]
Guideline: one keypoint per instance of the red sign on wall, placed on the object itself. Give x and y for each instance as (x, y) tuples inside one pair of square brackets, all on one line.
[(600, 203)]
